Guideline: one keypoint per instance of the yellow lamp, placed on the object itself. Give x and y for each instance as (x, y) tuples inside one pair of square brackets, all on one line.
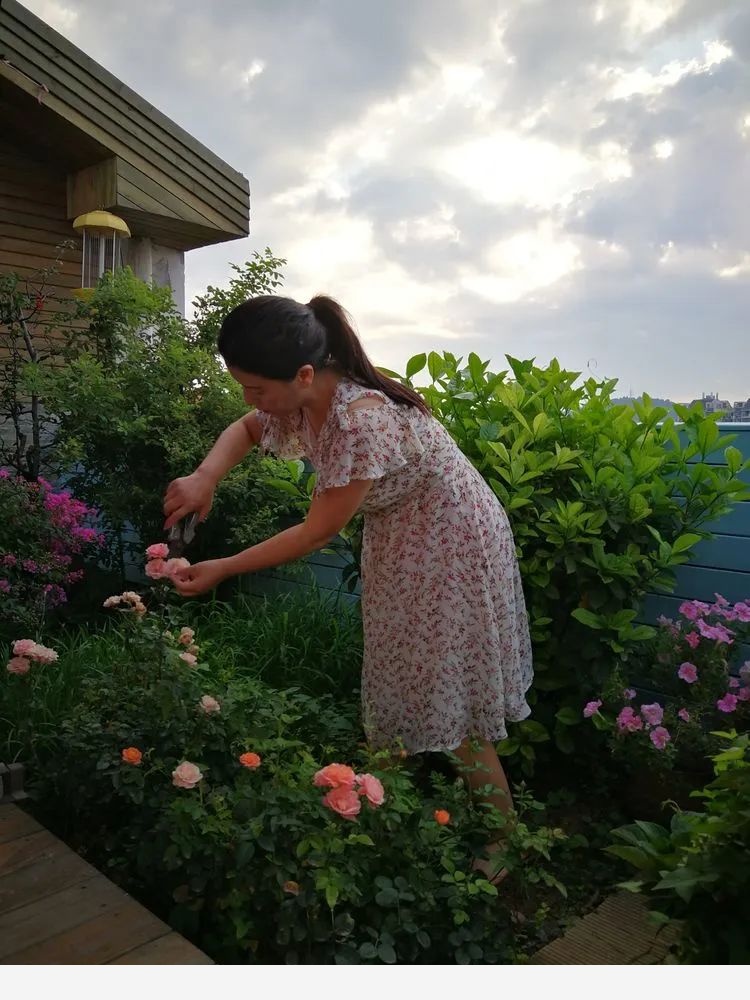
[(103, 234)]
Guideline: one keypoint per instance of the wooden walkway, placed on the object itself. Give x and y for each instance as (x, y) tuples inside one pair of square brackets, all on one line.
[(618, 932), (56, 909)]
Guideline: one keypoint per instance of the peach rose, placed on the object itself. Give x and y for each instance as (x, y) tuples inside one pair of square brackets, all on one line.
[(291, 887), (156, 569), (23, 647), (344, 801), (371, 788), (209, 705), (172, 566), (159, 550), (19, 665), (442, 817), (42, 654), (335, 776), (132, 755), (186, 636), (251, 760), (112, 602), (189, 658), (186, 775)]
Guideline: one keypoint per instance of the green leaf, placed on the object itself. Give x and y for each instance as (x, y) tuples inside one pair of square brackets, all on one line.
[(386, 953), (415, 364), (435, 366), (587, 618), (386, 897), (685, 542), (368, 950), (332, 895), (568, 716), (508, 747)]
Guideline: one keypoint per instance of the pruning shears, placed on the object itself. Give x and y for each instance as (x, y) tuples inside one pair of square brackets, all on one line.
[(181, 535)]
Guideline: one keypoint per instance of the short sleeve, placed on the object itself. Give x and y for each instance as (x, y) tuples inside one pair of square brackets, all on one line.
[(367, 443), (282, 436)]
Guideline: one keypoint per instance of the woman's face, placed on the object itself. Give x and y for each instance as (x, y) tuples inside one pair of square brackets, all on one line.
[(272, 395)]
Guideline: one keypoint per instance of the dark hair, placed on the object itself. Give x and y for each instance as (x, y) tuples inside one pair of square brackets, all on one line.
[(273, 337)]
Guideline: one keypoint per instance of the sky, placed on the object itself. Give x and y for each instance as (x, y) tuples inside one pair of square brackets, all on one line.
[(540, 178)]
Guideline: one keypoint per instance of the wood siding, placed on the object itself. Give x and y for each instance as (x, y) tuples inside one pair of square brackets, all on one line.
[(161, 169)]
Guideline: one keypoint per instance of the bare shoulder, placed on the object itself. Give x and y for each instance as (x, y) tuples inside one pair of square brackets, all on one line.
[(254, 426), (366, 403)]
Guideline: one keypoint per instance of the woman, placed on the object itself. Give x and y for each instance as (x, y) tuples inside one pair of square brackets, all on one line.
[(447, 652)]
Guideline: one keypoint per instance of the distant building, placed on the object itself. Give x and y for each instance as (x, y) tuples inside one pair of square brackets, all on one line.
[(739, 413)]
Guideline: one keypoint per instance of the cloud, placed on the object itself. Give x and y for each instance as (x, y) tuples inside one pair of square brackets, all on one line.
[(536, 177)]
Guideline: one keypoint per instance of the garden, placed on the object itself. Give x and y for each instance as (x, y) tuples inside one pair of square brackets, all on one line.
[(207, 755)]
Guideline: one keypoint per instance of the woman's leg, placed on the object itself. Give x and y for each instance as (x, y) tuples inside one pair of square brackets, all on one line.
[(483, 768)]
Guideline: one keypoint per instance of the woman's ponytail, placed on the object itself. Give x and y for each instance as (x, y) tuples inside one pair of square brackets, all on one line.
[(346, 350)]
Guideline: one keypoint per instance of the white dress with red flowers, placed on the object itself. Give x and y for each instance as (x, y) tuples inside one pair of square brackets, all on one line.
[(447, 647)]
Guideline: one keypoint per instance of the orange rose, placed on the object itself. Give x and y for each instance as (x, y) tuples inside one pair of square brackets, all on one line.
[(132, 755), (291, 887), (251, 760), (442, 817)]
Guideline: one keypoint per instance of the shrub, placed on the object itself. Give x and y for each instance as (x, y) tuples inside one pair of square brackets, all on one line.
[(698, 871), (604, 502), (44, 536), (201, 791)]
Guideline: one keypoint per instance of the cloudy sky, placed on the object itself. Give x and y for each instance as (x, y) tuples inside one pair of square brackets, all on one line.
[(545, 178)]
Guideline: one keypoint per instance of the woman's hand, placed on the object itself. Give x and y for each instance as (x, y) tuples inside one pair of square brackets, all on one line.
[(201, 577), (188, 494)]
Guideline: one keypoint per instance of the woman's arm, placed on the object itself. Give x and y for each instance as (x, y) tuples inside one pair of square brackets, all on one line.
[(328, 514)]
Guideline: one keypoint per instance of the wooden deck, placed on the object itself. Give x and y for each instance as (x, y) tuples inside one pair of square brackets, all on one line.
[(56, 909), (618, 932)]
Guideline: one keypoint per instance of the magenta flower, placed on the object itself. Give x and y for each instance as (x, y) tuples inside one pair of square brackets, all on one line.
[(721, 602), (4, 587), (716, 632), (684, 715), (694, 610), (743, 694), (733, 682), (728, 703), (628, 694), (592, 708), (653, 714), (629, 721), (660, 737), (742, 611), (693, 640), (688, 672)]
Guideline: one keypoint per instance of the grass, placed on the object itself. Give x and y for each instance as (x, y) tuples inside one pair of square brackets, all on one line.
[(287, 642)]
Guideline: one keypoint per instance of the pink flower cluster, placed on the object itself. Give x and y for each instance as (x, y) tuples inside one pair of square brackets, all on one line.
[(26, 652), (127, 601), (158, 566), (347, 789)]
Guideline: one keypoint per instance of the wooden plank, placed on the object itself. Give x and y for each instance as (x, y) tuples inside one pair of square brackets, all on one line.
[(38, 193), (152, 197), (57, 281), (48, 251), (736, 522), (104, 87), (10, 260), (730, 552), (172, 949), (31, 206), (57, 868), (15, 824), (105, 937), (87, 121), (702, 583), (70, 92), (14, 213), (37, 234), (18, 853), (92, 188)]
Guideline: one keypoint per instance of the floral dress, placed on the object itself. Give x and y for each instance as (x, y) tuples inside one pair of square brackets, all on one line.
[(447, 647)]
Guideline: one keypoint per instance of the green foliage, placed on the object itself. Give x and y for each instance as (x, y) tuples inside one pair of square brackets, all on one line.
[(140, 401), (259, 276), (698, 870), (251, 863), (604, 502)]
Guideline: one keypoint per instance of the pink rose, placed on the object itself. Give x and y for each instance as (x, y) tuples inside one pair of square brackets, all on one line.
[(186, 775), (42, 654), (371, 788), (743, 694), (653, 714), (335, 776), (592, 708), (344, 801), (173, 566), (19, 665), (189, 658), (157, 551), (728, 703), (629, 721), (23, 647), (660, 737), (156, 569), (684, 715), (688, 672), (209, 705)]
